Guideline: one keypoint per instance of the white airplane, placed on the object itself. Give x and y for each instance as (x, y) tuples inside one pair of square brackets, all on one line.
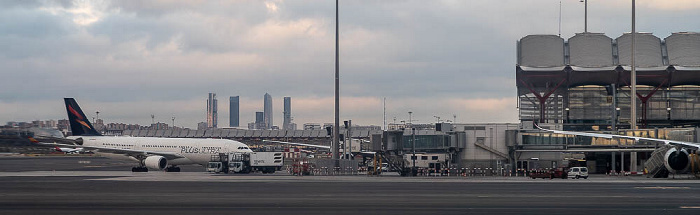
[(676, 159), (69, 150), (150, 152)]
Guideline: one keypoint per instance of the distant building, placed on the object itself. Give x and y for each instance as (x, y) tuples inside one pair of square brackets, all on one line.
[(63, 124), (267, 110), (234, 118), (366, 127), (287, 114), (312, 126), (402, 126), (326, 125), (202, 126), (38, 123), (260, 120), (211, 111), (158, 126), (50, 123)]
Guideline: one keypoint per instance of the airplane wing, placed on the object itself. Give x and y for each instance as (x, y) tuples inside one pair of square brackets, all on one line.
[(129, 152), (312, 145), (613, 136), (298, 144)]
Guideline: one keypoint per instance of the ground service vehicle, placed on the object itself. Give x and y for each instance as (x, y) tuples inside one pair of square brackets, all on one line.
[(578, 172), (246, 162), (551, 173)]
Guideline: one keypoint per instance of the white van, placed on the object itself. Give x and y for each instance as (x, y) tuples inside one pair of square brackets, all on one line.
[(578, 172)]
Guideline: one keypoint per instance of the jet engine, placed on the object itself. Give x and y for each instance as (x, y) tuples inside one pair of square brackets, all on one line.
[(677, 160), (156, 162)]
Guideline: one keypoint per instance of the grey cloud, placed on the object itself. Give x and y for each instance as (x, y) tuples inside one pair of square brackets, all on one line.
[(150, 51)]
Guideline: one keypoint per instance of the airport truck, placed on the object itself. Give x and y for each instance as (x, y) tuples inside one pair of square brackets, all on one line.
[(246, 162)]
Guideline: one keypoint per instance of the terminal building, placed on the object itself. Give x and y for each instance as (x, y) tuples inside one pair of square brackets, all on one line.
[(584, 84), (581, 83)]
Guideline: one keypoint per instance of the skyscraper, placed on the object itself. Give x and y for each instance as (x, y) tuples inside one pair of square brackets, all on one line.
[(234, 119), (267, 111), (259, 120), (211, 111), (287, 113)]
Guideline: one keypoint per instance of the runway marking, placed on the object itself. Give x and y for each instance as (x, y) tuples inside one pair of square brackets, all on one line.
[(663, 188), (690, 207)]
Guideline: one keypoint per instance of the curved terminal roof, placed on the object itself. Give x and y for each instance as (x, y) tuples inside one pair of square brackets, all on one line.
[(542, 51), (683, 49), (647, 49), (591, 50), (595, 59)]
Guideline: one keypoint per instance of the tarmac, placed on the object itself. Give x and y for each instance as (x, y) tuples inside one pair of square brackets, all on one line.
[(91, 185)]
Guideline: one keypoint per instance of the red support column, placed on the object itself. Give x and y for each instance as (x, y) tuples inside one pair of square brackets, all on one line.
[(645, 99), (542, 98)]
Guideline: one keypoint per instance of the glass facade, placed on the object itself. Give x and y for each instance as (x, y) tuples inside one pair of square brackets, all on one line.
[(596, 106), (427, 142), (550, 139)]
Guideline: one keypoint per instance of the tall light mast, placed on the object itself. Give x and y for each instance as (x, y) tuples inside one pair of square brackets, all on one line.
[(633, 74), (336, 127)]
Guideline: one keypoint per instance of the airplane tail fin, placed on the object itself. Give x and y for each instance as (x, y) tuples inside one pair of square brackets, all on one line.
[(32, 140), (79, 124)]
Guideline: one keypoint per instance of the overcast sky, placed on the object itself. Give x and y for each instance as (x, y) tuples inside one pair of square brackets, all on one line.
[(130, 59)]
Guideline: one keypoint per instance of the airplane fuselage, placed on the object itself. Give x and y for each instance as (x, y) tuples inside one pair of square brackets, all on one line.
[(193, 151)]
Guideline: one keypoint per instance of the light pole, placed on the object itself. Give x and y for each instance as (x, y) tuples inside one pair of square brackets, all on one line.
[(633, 74), (413, 141), (585, 16), (413, 146), (336, 128)]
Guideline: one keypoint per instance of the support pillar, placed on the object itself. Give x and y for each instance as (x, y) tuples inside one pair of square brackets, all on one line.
[(613, 164), (633, 162), (622, 161)]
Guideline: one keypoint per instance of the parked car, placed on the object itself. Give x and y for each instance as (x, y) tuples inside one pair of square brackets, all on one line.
[(578, 172)]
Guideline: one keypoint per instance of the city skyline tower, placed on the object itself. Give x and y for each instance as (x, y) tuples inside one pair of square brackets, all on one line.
[(212, 111), (234, 111), (286, 124), (267, 111), (259, 120)]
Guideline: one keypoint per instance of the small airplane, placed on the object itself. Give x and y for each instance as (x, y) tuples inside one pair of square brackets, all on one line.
[(59, 149), (69, 150), (149, 152)]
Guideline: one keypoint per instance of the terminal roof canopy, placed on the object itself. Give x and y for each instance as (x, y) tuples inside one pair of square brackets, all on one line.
[(549, 62)]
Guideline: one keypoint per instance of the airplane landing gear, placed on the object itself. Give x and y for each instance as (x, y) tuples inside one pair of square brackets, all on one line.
[(172, 169), (139, 169)]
